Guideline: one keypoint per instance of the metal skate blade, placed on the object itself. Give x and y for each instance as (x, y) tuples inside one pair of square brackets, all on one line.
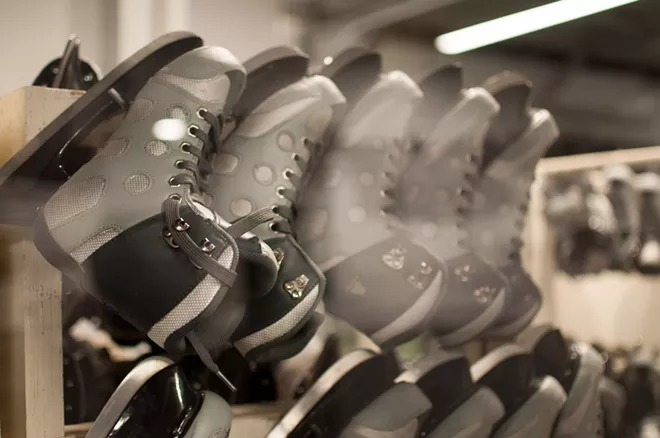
[(131, 384), (338, 395), (23, 184), (268, 72)]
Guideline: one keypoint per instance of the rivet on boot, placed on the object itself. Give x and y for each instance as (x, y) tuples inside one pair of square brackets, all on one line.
[(207, 246), (279, 255), (296, 287), (181, 225)]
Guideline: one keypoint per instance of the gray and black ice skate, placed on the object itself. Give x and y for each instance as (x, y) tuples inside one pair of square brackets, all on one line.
[(379, 280), (519, 137), (133, 226), (531, 404), (648, 189), (626, 205), (156, 400), (459, 407), (258, 173), (435, 192), (579, 369)]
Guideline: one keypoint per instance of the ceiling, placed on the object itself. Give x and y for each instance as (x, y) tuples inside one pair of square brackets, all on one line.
[(599, 75), (627, 37)]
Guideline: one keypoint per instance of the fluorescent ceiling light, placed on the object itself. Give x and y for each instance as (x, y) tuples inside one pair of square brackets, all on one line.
[(521, 23)]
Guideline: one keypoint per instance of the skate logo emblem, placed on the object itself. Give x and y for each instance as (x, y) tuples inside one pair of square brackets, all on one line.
[(357, 288), (395, 258), (420, 280)]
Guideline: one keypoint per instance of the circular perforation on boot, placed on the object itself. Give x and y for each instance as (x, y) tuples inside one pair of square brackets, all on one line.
[(225, 164), (332, 178), (357, 214), (264, 174), (412, 193), (137, 183), (157, 148), (140, 110), (442, 196), (378, 143), (456, 163), (314, 228), (241, 207), (180, 113), (429, 230), (285, 141), (487, 238), (366, 179), (116, 147)]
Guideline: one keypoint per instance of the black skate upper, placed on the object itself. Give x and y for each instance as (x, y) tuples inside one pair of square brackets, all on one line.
[(258, 173), (519, 137), (378, 279), (434, 193)]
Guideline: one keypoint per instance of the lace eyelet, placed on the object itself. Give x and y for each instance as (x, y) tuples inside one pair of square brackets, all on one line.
[(175, 196), (199, 112), (286, 174), (383, 194), (178, 164), (280, 191), (185, 147), (192, 129), (271, 227), (171, 182), (305, 141)]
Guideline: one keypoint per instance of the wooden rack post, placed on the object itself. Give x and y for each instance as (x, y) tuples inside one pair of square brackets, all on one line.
[(31, 403)]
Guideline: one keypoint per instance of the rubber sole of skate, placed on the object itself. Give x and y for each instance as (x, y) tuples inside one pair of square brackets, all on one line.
[(21, 188), (346, 388), (124, 393), (354, 71), (267, 73)]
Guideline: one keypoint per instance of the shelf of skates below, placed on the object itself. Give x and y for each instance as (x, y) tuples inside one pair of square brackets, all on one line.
[(249, 421), (573, 163)]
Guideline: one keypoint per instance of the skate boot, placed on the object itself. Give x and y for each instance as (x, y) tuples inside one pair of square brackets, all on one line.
[(433, 194), (626, 206), (460, 408), (648, 187), (613, 399), (379, 280), (131, 227), (34, 173), (338, 396), (531, 405), (579, 369), (258, 173), (399, 412), (519, 137), (640, 380), (156, 400)]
